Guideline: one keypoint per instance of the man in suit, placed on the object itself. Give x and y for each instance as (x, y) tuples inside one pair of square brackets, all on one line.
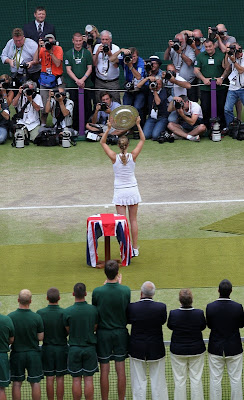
[(225, 317), (39, 28), (146, 344)]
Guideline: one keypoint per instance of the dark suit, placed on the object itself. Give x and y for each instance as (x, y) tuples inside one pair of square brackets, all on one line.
[(30, 30), (187, 326), (146, 340), (146, 344), (225, 317)]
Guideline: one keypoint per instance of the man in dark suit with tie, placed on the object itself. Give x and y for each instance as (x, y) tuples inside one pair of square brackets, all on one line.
[(146, 344), (225, 318), (39, 28)]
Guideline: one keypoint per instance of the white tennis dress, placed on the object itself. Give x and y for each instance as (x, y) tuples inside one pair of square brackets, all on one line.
[(126, 191)]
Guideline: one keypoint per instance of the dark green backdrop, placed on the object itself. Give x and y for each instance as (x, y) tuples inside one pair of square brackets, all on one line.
[(147, 25)]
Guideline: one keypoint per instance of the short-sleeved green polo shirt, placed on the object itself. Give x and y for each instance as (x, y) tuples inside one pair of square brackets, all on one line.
[(210, 67), (79, 68), (6, 331), (54, 329)]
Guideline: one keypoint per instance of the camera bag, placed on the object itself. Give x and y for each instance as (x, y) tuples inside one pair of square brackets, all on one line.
[(47, 80), (47, 137)]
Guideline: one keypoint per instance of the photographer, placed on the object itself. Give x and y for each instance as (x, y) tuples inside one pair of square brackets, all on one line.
[(133, 67), (220, 34), (28, 103), (157, 108), (22, 56), (5, 92), (208, 66), (101, 116), (107, 72), (235, 72), (195, 39), (183, 57), (91, 38), (4, 120), (61, 108), (189, 124), (51, 58)]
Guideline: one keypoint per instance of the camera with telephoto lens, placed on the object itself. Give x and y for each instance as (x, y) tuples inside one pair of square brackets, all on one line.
[(165, 137), (28, 91), (214, 32), (112, 139), (90, 39), (128, 58), (103, 106), (3, 84), (48, 45), (190, 40), (129, 86), (176, 45), (153, 85), (105, 48), (57, 95), (178, 104), (169, 75), (148, 66), (232, 50)]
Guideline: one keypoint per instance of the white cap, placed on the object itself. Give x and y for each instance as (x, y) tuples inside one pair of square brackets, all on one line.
[(88, 28)]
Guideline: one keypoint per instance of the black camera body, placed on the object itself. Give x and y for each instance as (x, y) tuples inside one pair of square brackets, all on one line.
[(90, 39), (153, 85), (169, 75), (214, 32), (128, 58), (129, 86), (148, 66), (4, 85), (58, 95), (190, 40), (112, 139), (48, 45), (232, 50), (176, 45), (104, 106), (24, 65), (105, 48), (165, 137), (178, 104)]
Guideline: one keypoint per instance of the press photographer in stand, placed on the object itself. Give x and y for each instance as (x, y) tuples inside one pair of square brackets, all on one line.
[(133, 67), (220, 36), (100, 117), (22, 56), (107, 72), (157, 120), (183, 58), (189, 125), (195, 40), (91, 38), (51, 58), (28, 103), (61, 108), (5, 92), (235, 73)]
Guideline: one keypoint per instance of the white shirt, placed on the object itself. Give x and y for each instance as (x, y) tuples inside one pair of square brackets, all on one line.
[(194, 108), (31, 117), (236, 79), (67, 121), (124, 176), (177, 90), (105, 69)]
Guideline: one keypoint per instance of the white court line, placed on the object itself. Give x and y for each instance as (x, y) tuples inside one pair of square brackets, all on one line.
[(159, 203)]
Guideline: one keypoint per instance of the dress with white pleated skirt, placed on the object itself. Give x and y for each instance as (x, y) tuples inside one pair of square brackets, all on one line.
[(126, 191)]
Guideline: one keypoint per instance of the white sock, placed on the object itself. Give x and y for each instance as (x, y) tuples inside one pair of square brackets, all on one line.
[(189, 137)]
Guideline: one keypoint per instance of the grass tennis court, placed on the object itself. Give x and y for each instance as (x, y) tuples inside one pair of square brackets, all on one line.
[(48, 193)]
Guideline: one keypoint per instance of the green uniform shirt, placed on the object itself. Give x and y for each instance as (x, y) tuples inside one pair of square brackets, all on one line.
[(81, 319), (6, 331), (27, 325), (54, 330), (209, 70), (111, 301), (78, 61)]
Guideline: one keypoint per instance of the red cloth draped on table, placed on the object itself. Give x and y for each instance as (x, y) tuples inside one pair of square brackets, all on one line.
[(108, 225)]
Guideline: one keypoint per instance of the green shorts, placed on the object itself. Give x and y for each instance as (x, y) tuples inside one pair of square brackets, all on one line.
[(4, 370), (54, 360), (112, 345), (82, 361), (30, 360)]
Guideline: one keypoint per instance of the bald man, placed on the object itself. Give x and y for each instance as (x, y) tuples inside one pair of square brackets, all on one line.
[(25, 352)]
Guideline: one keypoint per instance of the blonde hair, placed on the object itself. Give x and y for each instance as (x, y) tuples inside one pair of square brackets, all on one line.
[(25, 297), (123, 143)]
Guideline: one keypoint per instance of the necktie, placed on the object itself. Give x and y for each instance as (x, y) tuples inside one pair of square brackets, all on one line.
[(39, 30)]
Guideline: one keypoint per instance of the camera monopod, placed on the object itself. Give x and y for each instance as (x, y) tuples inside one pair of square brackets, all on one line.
[(215, 126)]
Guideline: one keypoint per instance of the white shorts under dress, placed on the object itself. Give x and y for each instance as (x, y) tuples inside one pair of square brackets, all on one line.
[(126, 191)]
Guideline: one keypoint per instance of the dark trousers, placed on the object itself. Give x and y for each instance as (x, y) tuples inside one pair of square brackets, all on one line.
[(206, 106), (87, 104), (193, 93)]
